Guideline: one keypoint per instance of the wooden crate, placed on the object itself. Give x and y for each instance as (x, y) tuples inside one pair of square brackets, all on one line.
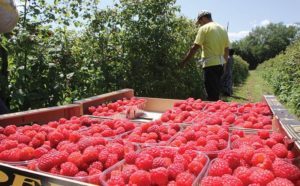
[(40, 116), (98, 100)]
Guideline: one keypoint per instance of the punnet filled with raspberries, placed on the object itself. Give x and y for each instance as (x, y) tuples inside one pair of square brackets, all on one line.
[(191, 143)]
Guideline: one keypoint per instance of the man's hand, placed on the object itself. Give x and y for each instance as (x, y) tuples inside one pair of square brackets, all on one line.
[(189, 55)]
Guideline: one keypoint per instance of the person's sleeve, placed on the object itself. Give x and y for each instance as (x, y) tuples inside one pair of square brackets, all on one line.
[(200, 37)]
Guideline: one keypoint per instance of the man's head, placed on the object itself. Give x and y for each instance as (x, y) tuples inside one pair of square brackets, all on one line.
[(231, 51), (204, 17)]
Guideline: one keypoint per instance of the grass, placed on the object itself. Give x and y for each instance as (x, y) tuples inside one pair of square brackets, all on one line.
[(252, 90)]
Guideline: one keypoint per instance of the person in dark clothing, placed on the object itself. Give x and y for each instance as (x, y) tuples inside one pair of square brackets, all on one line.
[(227, 80)]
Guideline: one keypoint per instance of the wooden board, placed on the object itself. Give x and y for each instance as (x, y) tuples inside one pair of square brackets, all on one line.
[(98, 100), (40, 116)]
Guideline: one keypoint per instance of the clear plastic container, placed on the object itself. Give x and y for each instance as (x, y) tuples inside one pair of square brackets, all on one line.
[(120, 165)]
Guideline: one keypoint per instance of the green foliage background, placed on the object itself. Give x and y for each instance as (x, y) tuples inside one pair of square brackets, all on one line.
[(283, 74), (63, 51)]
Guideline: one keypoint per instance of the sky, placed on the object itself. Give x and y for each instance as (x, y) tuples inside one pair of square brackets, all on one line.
[(242, 15)]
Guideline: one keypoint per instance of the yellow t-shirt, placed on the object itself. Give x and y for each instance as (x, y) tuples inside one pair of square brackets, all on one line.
[(213, 39)]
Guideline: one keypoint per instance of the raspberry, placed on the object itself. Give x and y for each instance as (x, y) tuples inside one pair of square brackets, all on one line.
[(10, 155), (219, 167), (116, 148), (263, 134), (261, 160), (261, 176), (229, 180), (277, 136), (81, 174), (285, 169), (144, 161), (55, 137), (180, 159), (232, 157), (27, 153), (211, 181), (96, 165), (116, 180), (195, 167), (243, 174), (130, 157), (140, 178), (84, 143), (175, 169), (184, 179), (159, 176), (76, 158), (153, 128), (23, 139), (10, 129), (103, 155), (161, 162), (127, 171), (280, 181), (68, 169), (111, 160), (280, 150), (53, 158), (90, 154)]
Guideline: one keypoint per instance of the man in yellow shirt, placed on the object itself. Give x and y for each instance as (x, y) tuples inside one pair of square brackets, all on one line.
[(213, 41)]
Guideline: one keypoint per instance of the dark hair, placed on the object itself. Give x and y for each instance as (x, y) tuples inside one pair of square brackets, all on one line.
[(204, 14), (231, 51)]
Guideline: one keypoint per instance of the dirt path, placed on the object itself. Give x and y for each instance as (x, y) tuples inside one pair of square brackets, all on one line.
[(252, 90)]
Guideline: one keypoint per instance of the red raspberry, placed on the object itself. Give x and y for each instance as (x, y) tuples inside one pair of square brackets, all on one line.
[(243, 174), (144, 161), (280, 181), (76, 158), (116, 148), (10, 129), (81, 174), (111, 160), (27, 153), (159, 176), (74, 136), (270, 142), (161, 162), (184, 179), (103, 155), (261, 160), (140, 178), (116, 180), (277, 136), (219, 167), (231, 180), (90, 154), (130, 157), (212, 181), (280, 150), (55, 137), (40, 151), (10, 155), (53, 158), (108, 133), (175, 169), (96, 165), (127, 171), (23, 139), (261, 176), (285, 169), (263, 134), (68, 169), (84, 143), (232, 157), (195, 167)]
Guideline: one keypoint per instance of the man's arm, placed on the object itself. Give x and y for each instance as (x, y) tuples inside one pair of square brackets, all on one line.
[(190, 54)]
